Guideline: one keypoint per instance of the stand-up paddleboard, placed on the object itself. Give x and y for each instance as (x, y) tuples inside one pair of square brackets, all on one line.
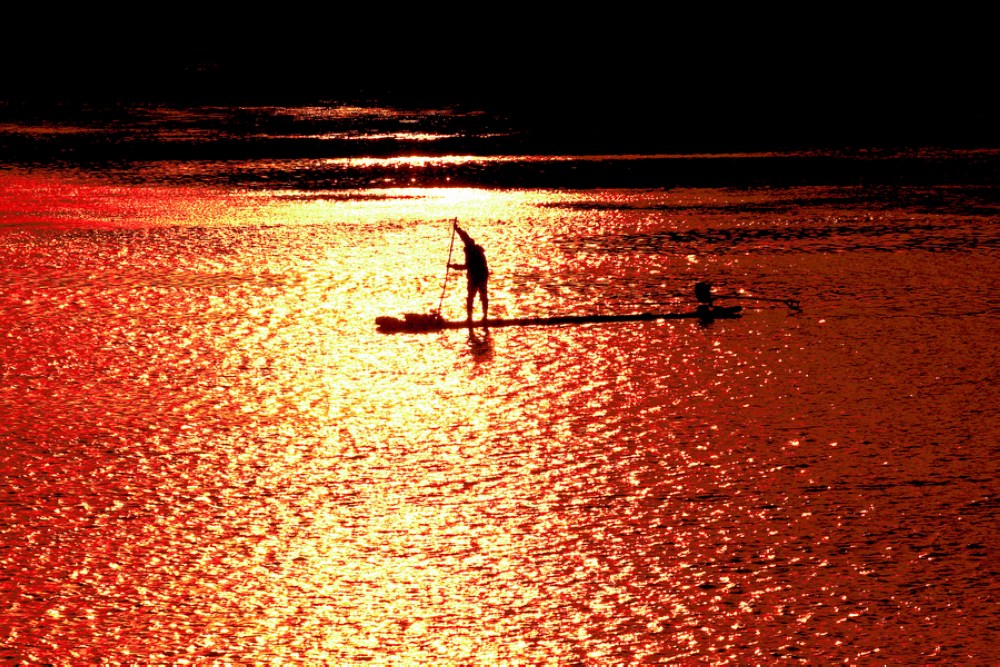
[(430, 322)]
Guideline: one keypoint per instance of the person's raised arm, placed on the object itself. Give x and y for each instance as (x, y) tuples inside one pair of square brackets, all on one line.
[(466, 239)]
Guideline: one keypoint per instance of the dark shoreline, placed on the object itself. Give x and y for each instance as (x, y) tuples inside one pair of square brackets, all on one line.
[(974, 169), (323, 148)]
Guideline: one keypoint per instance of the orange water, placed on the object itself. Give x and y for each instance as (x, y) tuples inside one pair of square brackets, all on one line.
[(208, 455)]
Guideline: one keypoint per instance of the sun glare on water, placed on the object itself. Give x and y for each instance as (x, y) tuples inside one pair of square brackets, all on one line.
[(210, 454)]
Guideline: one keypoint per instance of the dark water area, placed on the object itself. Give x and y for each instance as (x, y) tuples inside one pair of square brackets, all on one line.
[(209, 455), (336, 146)]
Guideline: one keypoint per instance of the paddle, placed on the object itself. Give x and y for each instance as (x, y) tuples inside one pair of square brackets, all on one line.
[(792, 304), (447, 264), (703, 292)]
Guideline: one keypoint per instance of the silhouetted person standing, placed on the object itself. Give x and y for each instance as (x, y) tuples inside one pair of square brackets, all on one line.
[(477, 272)]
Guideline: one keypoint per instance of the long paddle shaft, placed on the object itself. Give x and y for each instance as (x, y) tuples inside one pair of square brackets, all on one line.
[(793, 304), (447, 264)]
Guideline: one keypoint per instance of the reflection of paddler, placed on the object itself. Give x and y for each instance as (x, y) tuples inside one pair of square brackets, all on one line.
[(477, 271)]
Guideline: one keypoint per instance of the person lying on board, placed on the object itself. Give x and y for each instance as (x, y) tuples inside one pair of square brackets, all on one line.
[(703, 292)]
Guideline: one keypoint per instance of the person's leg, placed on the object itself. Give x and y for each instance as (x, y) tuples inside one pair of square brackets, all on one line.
[(469, 299), (484, 297)]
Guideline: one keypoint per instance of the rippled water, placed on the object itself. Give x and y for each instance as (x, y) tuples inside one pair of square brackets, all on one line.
[(208, 454)]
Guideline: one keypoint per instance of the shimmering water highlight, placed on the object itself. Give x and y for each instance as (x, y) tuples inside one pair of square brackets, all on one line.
[(209, 455)]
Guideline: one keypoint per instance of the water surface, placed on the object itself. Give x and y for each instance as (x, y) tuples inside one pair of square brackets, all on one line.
[(208, 454)]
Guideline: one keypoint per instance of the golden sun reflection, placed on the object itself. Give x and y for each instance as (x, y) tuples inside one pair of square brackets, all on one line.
[(212, 456)]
